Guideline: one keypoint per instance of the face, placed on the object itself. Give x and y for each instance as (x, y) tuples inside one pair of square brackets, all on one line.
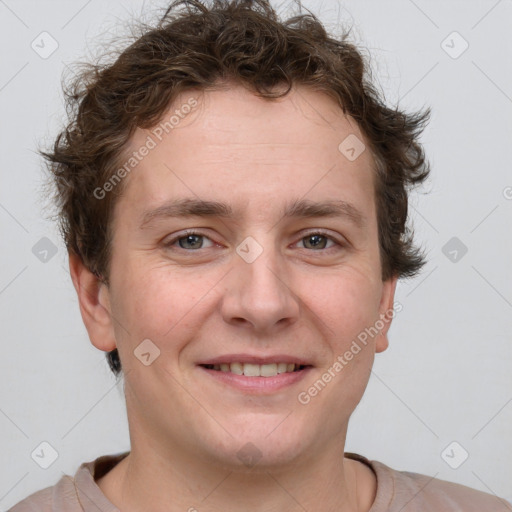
[(256, 282)]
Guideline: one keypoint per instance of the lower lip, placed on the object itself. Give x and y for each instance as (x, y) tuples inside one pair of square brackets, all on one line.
[(258, 384)]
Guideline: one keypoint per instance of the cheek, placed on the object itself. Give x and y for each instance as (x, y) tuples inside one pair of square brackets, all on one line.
[(348, 308), (346, 301), (158, 302)]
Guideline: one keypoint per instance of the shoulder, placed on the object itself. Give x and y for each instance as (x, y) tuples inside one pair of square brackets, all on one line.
[(68, 494), (411, 492), (50, 498)]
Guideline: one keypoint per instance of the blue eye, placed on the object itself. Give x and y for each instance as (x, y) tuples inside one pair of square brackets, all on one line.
[(318, 236), (194, 241), (192, 238)]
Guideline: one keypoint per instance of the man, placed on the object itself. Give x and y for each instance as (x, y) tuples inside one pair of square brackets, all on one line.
[(233, 196)]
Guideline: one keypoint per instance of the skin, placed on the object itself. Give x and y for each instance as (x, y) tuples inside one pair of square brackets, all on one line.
[(196, 303)]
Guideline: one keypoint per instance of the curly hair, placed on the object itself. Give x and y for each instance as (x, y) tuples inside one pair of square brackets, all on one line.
[(198, 47)]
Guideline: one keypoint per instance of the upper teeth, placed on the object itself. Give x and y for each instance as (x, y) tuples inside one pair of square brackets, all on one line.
[(256, 370)]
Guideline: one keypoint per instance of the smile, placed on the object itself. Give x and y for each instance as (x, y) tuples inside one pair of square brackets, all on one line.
[(255, 370), (256, 379)]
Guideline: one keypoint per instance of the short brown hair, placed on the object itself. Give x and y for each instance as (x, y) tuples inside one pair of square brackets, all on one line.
[(244, 41)]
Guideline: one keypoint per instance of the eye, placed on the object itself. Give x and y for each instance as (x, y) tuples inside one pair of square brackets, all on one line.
[(317, 240), (191, 240), (194, 240)]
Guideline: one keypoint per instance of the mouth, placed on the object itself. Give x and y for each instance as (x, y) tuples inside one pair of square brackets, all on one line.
[(258, 377), (256, 370)]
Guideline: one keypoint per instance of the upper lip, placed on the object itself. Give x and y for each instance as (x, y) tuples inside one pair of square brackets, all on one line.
[(254, 359)]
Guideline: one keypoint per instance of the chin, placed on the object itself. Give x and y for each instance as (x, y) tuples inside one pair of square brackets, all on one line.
[(259, 450)]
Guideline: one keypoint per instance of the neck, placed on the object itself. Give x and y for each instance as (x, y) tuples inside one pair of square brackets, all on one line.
[(149, 480)]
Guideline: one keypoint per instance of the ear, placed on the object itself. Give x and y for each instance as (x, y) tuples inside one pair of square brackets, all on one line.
[(386, 312), (94, 300)]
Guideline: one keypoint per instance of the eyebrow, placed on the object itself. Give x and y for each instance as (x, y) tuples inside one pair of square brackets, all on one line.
[(300, 208)]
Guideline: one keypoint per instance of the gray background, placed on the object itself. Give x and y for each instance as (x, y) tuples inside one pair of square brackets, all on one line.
[(447, 374)]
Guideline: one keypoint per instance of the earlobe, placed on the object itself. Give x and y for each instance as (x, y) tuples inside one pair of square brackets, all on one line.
[(382, 343), (386, 313), (94, 301)]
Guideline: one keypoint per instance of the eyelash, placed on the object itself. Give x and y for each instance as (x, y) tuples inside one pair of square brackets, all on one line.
[(320, 232)]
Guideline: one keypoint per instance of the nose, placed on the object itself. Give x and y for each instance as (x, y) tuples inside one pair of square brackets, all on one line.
[(257, 295)]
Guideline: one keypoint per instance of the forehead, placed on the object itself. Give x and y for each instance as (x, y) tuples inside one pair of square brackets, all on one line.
[(231, 144)]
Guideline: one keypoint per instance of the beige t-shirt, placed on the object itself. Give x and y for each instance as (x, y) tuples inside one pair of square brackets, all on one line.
[(397, 491)]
